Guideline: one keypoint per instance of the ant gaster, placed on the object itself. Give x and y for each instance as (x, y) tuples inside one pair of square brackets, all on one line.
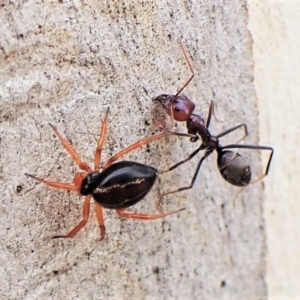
[(232, 166), (119, 186)]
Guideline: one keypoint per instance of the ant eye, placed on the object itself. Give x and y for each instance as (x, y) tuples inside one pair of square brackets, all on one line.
[(176, 108)]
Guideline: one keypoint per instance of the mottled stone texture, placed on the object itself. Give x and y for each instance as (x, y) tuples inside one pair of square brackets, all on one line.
[(65, 62)]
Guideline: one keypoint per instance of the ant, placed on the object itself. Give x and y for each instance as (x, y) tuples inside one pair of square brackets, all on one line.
[(120, 185), (232, 166)]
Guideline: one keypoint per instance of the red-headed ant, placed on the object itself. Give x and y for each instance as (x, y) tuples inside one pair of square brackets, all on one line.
[(232, 166)]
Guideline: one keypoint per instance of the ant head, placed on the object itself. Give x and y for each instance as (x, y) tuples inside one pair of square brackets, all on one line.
[(178, 107), (195, 125), (234, 168)]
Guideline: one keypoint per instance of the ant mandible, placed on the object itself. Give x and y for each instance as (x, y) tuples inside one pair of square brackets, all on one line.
[(232, 166), (119, 185)]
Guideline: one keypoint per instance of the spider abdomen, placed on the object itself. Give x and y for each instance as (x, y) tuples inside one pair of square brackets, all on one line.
[(121, 185)]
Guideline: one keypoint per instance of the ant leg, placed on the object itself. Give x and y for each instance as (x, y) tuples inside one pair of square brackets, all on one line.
[(55, 184), (134, 146), (182, 134), (128, 215), (86, 213), (190, 67), (255, 148), (214, 113), (237, 194), (242, 189), (183, 161), (82, 165), (235, 128), (159, 202), (99, 215), (161, 128), (211, 111), (100, 142)]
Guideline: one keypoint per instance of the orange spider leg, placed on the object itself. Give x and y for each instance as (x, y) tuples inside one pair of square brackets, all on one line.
[(82, 165), (100, 142), (58, 185), (134, 146), (86, 213), (78, 177), (99, 215), (124, 214)]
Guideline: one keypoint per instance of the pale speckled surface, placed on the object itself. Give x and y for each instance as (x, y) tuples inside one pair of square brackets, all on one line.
[(274, 26), (65, 63)]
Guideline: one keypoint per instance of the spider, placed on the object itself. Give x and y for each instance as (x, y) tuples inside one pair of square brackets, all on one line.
[(119, 186)]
